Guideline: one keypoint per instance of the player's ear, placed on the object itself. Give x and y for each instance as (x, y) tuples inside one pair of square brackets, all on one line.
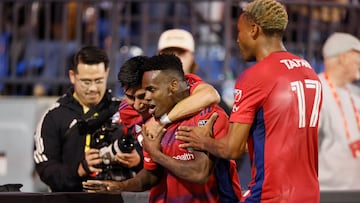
[(255, 30), (173, 86)]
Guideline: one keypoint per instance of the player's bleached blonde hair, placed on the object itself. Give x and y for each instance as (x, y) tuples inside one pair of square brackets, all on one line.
[(270, 15)]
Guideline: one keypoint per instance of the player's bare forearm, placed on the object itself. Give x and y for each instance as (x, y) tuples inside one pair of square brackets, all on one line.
[(143, 181), (219, 148), (230, 146), (203, 95)]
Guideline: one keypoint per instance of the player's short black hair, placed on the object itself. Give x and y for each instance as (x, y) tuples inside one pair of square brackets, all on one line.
[(130, 72), (168, 63)]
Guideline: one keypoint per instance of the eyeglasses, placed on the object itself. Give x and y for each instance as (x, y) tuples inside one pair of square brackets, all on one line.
[(86, 83)]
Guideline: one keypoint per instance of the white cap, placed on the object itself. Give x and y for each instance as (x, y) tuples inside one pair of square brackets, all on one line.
[(176, 38), (339, 43)]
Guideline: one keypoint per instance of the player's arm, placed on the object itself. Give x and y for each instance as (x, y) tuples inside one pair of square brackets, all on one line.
[(197, 168), (202, 96), (230, 146), (143, 181)]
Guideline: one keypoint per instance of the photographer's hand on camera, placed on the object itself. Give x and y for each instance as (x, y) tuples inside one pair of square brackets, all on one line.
[(91, 159), (128, 160)]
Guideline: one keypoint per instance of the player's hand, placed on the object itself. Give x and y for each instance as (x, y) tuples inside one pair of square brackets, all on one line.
[(195, 137), (102, 186), (151, 144), (154, 128), (128, 160)]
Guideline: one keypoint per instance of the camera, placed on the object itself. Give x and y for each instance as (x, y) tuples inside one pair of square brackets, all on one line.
[(111, 139), (125, 144)]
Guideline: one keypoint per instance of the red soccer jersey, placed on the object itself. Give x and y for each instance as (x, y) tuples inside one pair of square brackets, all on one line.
[(174, 189), (281, 97)]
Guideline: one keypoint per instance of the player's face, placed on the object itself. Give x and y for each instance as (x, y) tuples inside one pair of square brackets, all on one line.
[(157, 93), (89, 83), (244, 38), (135, 97)]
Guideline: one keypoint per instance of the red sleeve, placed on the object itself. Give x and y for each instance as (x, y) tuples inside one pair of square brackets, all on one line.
[(193, 81), (248, 96), (128, 115)]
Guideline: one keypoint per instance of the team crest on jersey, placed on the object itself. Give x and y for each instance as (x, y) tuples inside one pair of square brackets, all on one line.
[(202, 122), (237, 95), (190, 82)]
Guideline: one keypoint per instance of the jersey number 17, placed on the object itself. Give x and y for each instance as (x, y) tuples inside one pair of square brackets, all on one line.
[(299, 88)]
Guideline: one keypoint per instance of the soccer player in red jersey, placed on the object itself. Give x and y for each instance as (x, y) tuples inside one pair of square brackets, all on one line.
[(133, 109), (275, 113), (174, 174), (134, 112)]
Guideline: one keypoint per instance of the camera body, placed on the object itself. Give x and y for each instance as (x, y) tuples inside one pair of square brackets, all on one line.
[(111, 139), (125, 144)]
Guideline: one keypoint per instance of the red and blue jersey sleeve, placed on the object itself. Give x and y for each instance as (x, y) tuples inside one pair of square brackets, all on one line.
[(193, 81), (248, 96), (128, 116)]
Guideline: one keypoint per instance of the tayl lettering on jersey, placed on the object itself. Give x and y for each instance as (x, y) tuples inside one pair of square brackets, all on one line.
[(295, 63), (185, 157)]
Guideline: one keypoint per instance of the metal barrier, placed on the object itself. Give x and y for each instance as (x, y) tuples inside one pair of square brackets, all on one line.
[(38, 37)]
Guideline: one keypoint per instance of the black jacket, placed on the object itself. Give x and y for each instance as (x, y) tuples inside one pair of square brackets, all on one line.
[(59, 144)]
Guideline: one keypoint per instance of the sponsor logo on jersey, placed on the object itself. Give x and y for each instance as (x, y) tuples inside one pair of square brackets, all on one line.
[(202, 122), (185, 157)]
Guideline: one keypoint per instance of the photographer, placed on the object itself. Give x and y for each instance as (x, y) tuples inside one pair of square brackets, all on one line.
[(71, 135)]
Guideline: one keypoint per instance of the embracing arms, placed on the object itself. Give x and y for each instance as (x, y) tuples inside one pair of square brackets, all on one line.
[(230, 146)]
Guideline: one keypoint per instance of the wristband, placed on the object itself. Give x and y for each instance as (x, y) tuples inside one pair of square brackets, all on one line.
[(165, 119)]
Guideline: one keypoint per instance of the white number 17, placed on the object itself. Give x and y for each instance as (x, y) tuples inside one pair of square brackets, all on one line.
[(298, 88)]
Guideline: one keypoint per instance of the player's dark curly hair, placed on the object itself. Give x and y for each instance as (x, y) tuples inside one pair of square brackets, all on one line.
[(168, 63), (130, 72)]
